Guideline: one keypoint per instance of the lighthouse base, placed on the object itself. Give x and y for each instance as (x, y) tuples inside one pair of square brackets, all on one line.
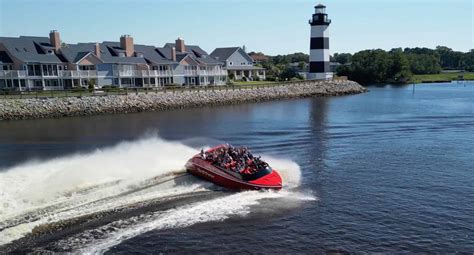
[(320, 76)]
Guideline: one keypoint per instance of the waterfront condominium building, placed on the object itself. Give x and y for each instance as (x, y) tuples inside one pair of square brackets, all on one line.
[(42, 63)]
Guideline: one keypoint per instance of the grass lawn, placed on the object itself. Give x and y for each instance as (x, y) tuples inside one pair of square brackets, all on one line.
[(440, 77)]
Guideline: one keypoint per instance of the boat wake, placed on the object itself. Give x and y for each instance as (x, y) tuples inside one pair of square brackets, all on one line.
[(91, 202)]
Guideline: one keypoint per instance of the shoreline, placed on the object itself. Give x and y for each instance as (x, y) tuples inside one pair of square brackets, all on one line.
[(38, 108)]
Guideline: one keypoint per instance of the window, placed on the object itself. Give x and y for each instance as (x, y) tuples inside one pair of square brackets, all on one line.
[(230, 63), (121, 54), (163, 68), (37, 70), (45, 70)]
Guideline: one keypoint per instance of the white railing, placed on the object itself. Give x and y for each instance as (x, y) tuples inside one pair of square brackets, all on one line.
[(190, 72), (142, 73), (205, 72), (212, 72), (13, 74), (78, 74), (122, 73), (61, 74)]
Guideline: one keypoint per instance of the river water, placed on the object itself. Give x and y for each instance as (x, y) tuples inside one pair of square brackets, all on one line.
[(385, 171)]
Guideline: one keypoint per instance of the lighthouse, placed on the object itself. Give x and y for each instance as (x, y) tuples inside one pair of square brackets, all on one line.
[(319, 46)]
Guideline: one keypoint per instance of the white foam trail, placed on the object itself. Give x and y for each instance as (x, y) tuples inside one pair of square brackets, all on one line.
[(77, 185), (289, 171), (219, 209), (58, 182)]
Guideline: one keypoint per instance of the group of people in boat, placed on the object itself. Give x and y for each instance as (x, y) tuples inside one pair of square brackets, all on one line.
[(239, 160)]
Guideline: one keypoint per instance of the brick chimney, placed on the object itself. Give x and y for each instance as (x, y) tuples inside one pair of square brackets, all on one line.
[(97, 50), (173, 53), (55, 39), (126, 43), (180, 45)]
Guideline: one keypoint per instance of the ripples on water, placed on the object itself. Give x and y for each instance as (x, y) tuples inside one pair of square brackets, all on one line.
[(385, 171)]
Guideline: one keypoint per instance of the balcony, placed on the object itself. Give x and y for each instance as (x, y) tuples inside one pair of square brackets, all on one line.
[(143, 73), (205, 72), (60, 74), (212, 72), (78, 74), (13, 74)]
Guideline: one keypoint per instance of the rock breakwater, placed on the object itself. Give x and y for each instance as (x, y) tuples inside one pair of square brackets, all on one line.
[(56, 107)]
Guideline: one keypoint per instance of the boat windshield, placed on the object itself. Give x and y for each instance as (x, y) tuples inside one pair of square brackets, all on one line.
[(259, 174)]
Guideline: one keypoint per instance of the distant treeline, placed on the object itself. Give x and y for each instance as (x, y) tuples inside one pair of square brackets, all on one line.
[(398, 65), (378, 66)]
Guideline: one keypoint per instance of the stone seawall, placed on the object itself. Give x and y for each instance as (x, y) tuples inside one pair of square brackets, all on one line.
[(16, 109)]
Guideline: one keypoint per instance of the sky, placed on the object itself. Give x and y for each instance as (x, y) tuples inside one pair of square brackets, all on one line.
[(269, 26)]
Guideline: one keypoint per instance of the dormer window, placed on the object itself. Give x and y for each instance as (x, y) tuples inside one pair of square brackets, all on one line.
[(139, 54), (121, 54)]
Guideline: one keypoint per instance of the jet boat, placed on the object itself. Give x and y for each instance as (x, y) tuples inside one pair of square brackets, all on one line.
[(253, 174)]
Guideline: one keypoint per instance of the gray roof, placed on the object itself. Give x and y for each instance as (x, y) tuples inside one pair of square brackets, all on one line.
[(75, 52), (30, 49), (150, 53), (165, 52), (181, 56), (4, 58), (194, 51), (208, 60), (223, 53)]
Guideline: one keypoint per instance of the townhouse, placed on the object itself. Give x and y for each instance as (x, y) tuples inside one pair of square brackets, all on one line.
[(42, 63), (239, 63)]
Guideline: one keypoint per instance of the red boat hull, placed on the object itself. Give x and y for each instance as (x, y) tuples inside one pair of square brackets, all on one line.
[(227, 179)]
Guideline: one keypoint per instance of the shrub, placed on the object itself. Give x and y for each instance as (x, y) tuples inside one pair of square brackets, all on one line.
[(91, 85)]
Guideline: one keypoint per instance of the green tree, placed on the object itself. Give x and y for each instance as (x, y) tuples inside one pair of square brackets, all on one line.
[(424, 63), (287, 74), (468, 61), (378, 66), (342, 58), (449, 59), (399, 71)]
